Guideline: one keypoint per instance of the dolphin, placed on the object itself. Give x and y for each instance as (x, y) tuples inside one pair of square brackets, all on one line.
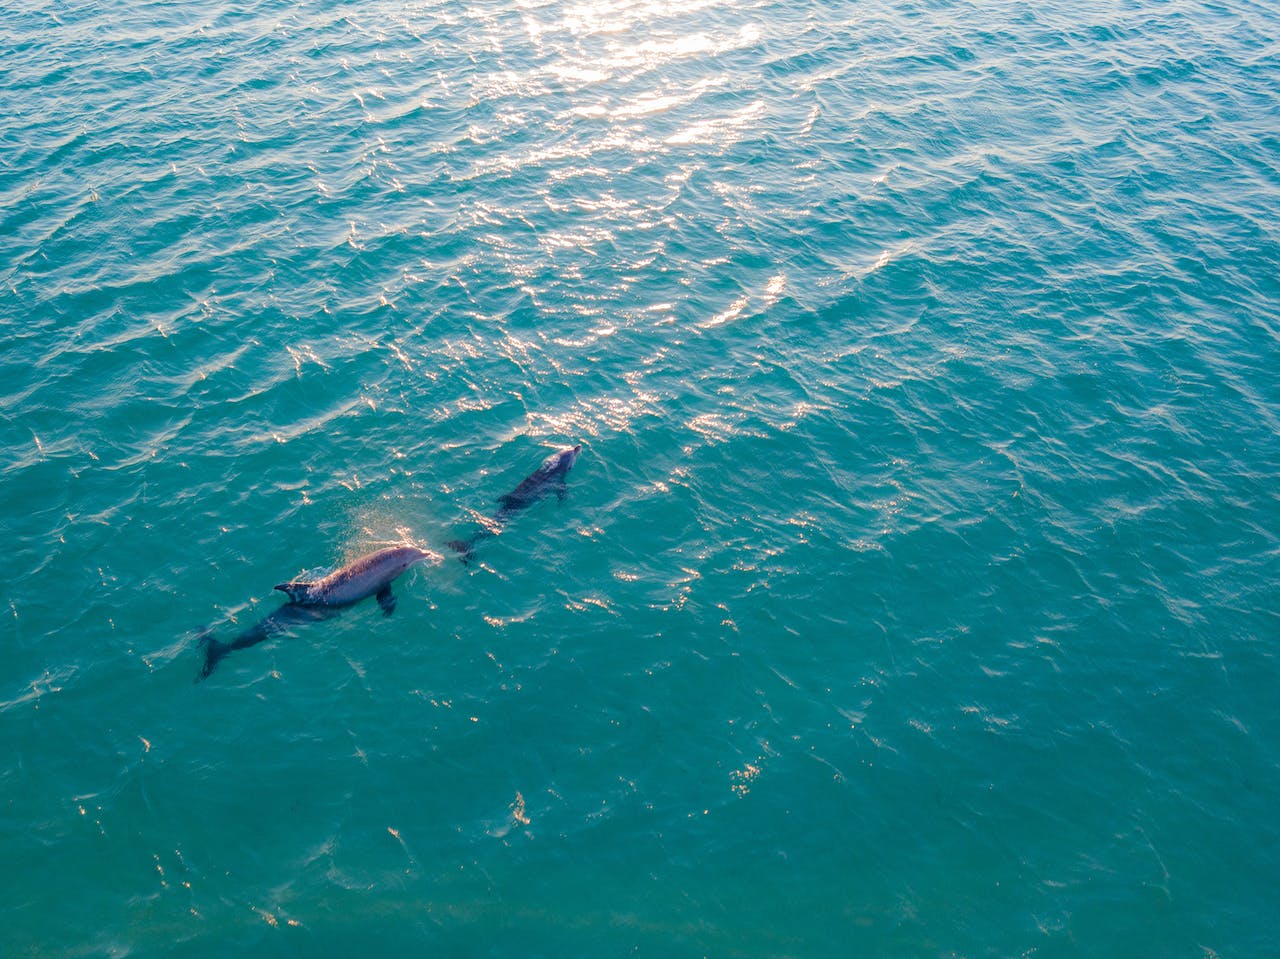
[(547, 478), (367, 576)]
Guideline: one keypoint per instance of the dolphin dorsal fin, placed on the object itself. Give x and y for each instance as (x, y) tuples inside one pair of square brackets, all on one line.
[(296, 592)]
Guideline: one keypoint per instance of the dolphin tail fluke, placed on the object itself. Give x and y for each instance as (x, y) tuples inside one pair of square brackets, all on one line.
[(214, 650), (463, 548)]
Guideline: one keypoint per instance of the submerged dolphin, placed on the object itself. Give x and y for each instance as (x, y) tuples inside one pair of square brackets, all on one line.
[(367, 576), (547, 478)]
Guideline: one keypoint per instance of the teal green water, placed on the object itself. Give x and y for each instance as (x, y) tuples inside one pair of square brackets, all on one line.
[(915, 593)]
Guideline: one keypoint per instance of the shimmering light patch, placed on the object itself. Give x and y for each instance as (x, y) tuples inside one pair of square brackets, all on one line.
[(888, 255), (582, 237), (798, 412), (555, 156), (596, 43), (622, 15), (50, 682), (580, 605), (395, 834), (302, 355), (734, 311), (501, 622), (720, 130), (594, 416), (742, 779), (649, 103), (717, 427), (518, 813), (576, 75)]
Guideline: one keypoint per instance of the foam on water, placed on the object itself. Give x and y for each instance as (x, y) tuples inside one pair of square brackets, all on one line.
[(914, 592)]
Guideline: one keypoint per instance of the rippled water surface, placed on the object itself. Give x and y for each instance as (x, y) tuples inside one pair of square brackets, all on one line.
[(915, 592)]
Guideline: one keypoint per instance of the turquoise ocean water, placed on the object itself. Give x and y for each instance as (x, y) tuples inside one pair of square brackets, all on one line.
[(915, 593)]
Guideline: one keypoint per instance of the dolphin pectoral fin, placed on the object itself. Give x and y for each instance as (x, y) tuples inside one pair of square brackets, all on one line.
[(561, 491), (387, 600)]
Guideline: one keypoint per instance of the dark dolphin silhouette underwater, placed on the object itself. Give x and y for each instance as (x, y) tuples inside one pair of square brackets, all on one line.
[(370, 575), (546, 479)]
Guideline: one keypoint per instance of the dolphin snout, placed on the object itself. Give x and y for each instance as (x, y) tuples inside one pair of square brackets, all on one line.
[(425, 555)]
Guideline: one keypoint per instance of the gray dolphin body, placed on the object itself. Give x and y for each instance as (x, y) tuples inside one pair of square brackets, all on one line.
[(367, 576), (547, 478)]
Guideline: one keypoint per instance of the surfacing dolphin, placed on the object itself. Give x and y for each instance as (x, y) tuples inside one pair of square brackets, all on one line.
[(547, 478), (367, 576)]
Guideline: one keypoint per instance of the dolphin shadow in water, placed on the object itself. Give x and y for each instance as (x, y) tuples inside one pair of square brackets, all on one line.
[(309, 602), (281, 621), (546, 479)]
